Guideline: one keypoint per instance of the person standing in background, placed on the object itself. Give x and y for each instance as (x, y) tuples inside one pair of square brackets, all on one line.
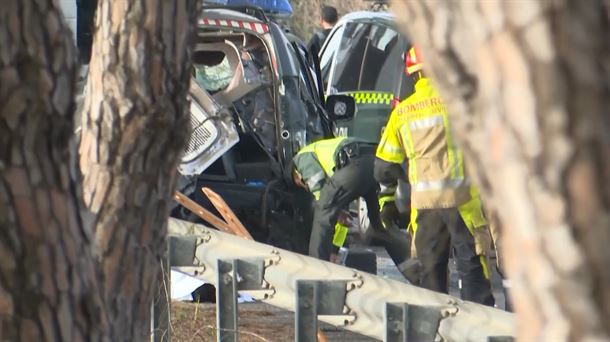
[(328, 19)]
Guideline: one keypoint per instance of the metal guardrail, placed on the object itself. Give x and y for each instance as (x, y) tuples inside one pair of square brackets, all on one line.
[(317, 290)]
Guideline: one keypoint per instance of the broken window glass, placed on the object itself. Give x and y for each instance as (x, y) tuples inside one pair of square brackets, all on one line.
[(214, 78)]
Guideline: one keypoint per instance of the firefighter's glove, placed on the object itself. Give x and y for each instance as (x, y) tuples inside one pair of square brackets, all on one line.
[(482, 240), (390, 217), (483, 246)]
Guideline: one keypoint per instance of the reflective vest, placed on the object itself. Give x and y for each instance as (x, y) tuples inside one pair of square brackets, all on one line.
[(419, 130), (316, 162)]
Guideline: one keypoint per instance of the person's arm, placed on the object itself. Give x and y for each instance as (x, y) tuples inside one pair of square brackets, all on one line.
[(388, 169), (314, 44), (387, 175), (311, 172)]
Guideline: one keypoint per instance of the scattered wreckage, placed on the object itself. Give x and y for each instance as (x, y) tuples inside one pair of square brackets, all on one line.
[(256, 99)]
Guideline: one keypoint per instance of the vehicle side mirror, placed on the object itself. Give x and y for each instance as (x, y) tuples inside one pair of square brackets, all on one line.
[(340, 107)]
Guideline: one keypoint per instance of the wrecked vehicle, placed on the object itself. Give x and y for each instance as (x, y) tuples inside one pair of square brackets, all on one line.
[(255, 103)]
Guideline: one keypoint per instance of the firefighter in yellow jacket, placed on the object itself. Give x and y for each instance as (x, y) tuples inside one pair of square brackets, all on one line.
[(446, 211)]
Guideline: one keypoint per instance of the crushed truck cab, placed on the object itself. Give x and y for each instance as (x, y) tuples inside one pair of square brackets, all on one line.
[(255, 101)]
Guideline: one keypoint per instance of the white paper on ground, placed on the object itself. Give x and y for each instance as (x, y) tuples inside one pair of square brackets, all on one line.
[(183, 284)]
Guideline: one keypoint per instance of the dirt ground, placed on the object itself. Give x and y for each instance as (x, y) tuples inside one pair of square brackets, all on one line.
[(258, 322)]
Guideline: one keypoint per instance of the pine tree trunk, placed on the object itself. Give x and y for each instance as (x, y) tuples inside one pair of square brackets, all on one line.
[(527, 83), (48, 282), (134, 127)]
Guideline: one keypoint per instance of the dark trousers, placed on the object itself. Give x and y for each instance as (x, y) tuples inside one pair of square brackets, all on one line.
[(438, 230), (353, 181)]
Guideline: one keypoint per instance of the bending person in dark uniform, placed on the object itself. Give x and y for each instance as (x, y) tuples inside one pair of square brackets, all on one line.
[(338, 171)]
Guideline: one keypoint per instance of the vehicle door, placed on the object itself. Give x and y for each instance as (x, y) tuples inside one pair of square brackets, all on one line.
[(328, 51), (301, 114), (367, 65), (314, 94)]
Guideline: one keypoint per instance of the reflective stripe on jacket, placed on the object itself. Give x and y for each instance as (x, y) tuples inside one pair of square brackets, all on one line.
[(419, 130), (340, 235), (372, 97)]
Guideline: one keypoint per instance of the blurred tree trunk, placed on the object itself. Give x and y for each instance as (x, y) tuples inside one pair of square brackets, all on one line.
[(527, 83), (48, 280), (134, 127)]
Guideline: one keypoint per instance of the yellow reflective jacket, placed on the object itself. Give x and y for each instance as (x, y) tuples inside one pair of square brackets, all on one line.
[(316, 162), (419, 129)]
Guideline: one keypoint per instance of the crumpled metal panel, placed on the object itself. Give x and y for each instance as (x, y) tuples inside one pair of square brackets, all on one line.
[(213, 133)]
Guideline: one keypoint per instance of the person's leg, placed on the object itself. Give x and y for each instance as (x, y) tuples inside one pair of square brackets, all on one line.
[(337, 193), (475, 287), (396, 242), (432, 241), (497, 241)]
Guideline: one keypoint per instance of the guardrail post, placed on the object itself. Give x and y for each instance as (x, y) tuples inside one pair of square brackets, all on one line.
[(226, 302), (500, 339), (306, 315), (405, 322), (313, 298), (233, 276)]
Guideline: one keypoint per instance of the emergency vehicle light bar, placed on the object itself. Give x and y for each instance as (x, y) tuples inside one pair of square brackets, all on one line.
[(259, 28)]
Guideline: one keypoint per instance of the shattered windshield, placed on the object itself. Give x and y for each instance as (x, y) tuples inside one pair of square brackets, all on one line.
[(213, 78)]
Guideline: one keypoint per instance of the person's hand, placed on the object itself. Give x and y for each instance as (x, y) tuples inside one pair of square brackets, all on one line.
[(333, 258), (345, 218)]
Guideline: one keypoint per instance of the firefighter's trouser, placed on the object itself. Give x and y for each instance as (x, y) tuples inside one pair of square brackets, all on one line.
[(346, 185), (438, 230), (498, 244)]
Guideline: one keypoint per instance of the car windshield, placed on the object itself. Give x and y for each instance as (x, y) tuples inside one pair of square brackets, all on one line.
[(375, 52), (213, 77), (348, 62), (382, 60)]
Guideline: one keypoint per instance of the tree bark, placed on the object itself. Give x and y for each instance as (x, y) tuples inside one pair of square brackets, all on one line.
[(527, 83), (134, 127), (48, 282)]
